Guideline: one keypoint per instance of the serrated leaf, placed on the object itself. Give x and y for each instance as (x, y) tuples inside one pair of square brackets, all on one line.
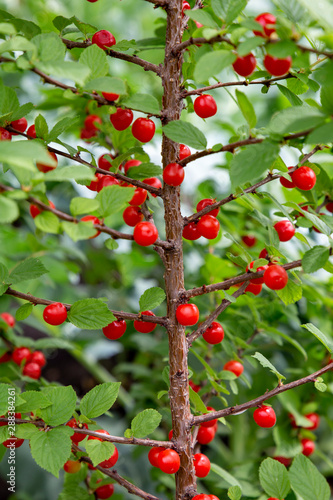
[(63, 401), (99, 450), (229, 478), (112, 199), (292, 98), (144, 171), (53, 343), (33, 400), (23, 312), (185, 133), (27, 270), (99, 399), (295, 119), (151, 298), (235, 493), (307, 481), (95, 59), (274, 479), (26, 431), (228, 10), (90, 314), (197, 402), (5, 390), (80, 205), (76, 173), (80, 231), (246, 108), (106, 84), (315, 258), (9, 211), (145, 423), (51, 449), (47, 222), (291, 293), (244, 48), (211, 64), (41, 126), (203, 17), (320, 386), (143, 102), (267, 364), (111, 244), (327, 342), (62, 125), (252, 162), (321, 135)]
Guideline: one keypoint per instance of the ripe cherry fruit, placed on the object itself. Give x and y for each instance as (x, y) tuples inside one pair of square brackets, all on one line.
[(121, 119), (94, 220), (184, 151), (110, 462), (257, 281), (104, 492), (8, 318), (168, 461), (194, 386), (103, 39), (206, 434), (38, 357), (138, 197), (245, 65), (304, 178), (55, 314), (132, 216), (308, 447), (143, 129), (214, 334), (249, 240), (90, 123), (265, 416), (153, 455), (144, 326), (131, 163), (265, 19), (314, 419), (21, 354), (109, 96), (173, 174), (205, 106), (283, 460), (202, 496), (115, 330), (104, 163), (235, 367), (77, 436), (253, 288), (187, 314), (106, 180), (284, 229), (275, 277), (32, 370), (186, 6), (205, 203), (31, 132), (19, 125), (47, 168), (153, 182), (145, 234), (276, 66), (190, 231), (210, 423), (5, 135), (34, 210), (72, 466), (201, 465), (208, 227), (286, 182)]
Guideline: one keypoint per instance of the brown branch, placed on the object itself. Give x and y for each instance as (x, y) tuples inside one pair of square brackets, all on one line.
[(119, 314), (222, 307), (303, 48), (158, 3), (225, 285), (201, 40), (234, 410)]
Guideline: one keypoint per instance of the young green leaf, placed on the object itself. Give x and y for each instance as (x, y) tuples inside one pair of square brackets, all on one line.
[(90, 314), (29, 269), (185, 133), (327, 342), (80, 206), (151, 298), (143, 102), (229, 478), (252, 162), (274, 479), (99, 450), (47, 222), (9, 211), (315, 258), (23, 312), (112, 199), (99, 399), (235, 493), (246, 108), (211, 64), (145, 423), (144, 171), (33, 400), (291, 293), (267, 364), (63, 401)]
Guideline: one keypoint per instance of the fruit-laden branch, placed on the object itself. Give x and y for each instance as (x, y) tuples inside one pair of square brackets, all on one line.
[(147, 66), (222, 307), (195, 41), (225, 285), (252, 189), (234, 410), (119, 314)]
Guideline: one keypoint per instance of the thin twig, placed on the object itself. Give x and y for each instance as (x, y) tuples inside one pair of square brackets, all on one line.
[(201, 40)]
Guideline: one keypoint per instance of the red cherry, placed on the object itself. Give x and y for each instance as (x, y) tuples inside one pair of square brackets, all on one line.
[(184, 152), (131, 163), (145, 234), (276, 66), (94, 184), (265, 20), (308, 447), (8, 318), (257, 281), (144, 326), (38, 357), (245, 65), (205, 106), (109, 96), (304, 178), (31, 132), (235, 367), (21, 354), (168, 461), (47, 168), (208, 227), (205, 203), (195, 387), (253, 288), (284, 229), (205, 434), (213, 497), (13, 441), (173, 174), (104, 163), (7, 356), (34, 210), (154, 182), (285, 182), (103, 39), (283, 460), (55, 314), (190, 231), (329, 206), (143, 129), (115, 330), (214, 334), (94, 220), (106, 180), (87, 134), (292, 421), (72, 466), (121, 119), (202, 496), (210, 423), (104, 492), (153, 455), (20, 125), (187, 314), (77, 436), (32, 370), (186, 6), (92, 1), (249, 240), (314, 419), (90, 123), (201, 465), (263, 254), (132, 216), (110, 462), (139, 197), (265, 416), (5, 135), (275, 277)]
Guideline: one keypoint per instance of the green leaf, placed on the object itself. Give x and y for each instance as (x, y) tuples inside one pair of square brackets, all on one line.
[(274, 479), (63, 401), (252, 162), (23, 312), (33, 400), (143, 102), (321, 135), (111, 244), (9, 211), (23, 154), (327, 342), (99, 399), (80, 231), (51, 449), (76, 173), (95, 59), (244, 48), (90, 314), (144, 171), (267, 364), (74, 71), (62, 125), (151, 298), (297, 86), (292, 98), (228, 10), (235, 493), (185, 133), (203, 17), (295, 119), (27, 270), (41, 126), (47, 222), (26, 431), (211, 64), (145, 423), (225, 475), (53, 343), (112, 199), (17, 43), (323, 16), (281, 49), (246, 108), (71, 491), (320, 386), (83, 206), (197, 402), (99, 450), (50, 47), (307, 481), (315, 258), (289, 339), (5, 390), (291, 293), (106, 84)]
